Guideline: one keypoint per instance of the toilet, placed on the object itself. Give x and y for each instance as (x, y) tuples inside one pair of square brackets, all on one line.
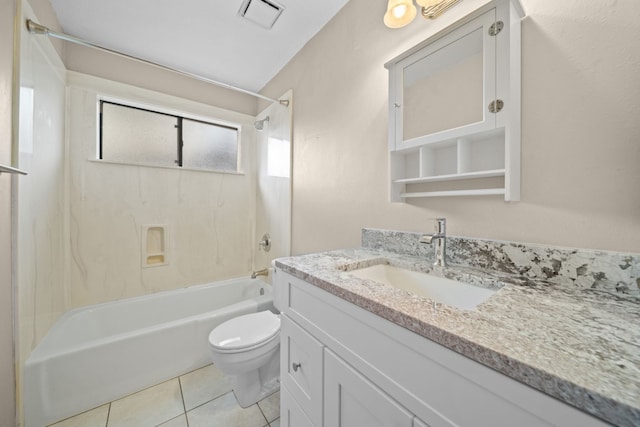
[(247, 350)]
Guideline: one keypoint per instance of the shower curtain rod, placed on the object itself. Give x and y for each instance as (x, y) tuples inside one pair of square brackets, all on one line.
[(35, 28)]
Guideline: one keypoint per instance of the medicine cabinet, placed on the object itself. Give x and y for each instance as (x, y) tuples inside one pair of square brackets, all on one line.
[(454, 109)]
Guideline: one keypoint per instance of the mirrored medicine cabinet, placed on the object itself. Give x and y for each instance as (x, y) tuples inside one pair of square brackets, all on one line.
[(454, 108)]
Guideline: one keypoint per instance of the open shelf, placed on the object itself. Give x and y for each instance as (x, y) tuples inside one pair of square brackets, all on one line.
[(455, 193), (453, 177)]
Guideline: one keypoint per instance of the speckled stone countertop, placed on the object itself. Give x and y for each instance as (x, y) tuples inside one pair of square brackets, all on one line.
[(577, 344)]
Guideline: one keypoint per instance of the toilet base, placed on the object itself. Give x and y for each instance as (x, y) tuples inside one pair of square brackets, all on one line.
[(253, 386), (245, 400)]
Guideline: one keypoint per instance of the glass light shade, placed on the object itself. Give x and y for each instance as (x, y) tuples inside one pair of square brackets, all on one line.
[(428, 3), (399, 13)]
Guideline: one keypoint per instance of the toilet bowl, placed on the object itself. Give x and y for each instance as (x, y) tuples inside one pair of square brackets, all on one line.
[(247, 350)]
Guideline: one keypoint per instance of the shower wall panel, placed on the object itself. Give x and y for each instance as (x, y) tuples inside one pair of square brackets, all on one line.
[(273, 197), (41, 246), (210, 215)]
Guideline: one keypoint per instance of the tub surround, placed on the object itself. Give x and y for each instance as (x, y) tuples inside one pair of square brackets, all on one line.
[(564, 321)]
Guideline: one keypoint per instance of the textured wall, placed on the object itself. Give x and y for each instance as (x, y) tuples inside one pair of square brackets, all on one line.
[(580, 148)]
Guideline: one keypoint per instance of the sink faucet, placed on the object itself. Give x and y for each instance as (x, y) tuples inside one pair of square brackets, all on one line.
[(440, 237)]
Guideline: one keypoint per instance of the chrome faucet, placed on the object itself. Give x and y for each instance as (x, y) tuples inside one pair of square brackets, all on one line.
[(263, 272), (440, 237)]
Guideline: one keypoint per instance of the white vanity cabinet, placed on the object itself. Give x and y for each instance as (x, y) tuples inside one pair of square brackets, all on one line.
[(344, 366), (454, 108)]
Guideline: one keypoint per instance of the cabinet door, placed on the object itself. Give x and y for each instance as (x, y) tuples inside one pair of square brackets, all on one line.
[(351, 400), (443, 90), (290, 413)]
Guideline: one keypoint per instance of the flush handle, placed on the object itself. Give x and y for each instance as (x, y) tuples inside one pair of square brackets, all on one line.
[(295, 366)]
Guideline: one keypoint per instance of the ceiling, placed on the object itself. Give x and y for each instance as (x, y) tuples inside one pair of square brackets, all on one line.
[(204, 37)]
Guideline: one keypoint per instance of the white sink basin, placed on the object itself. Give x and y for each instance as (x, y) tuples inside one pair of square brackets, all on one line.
[(439, 289)]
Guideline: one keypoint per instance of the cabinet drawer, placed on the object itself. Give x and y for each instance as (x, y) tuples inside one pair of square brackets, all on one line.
[(301, 361)]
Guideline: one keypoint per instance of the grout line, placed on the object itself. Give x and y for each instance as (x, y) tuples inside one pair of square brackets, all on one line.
[(262, 412), (108, 414), (184, 405)]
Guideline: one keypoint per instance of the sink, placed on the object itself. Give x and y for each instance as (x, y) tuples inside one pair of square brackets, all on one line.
[(439, 289)]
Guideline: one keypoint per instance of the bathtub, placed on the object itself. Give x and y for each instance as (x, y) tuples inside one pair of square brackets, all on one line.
[(96, 354)]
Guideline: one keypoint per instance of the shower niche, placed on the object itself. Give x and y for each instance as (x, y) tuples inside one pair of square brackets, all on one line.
[(154, 245)]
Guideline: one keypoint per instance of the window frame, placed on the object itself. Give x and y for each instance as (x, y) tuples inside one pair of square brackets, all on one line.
[(180, 116)]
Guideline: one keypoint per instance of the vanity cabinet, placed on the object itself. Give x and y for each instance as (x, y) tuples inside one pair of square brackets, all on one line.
[(344, 366), (454, 109)]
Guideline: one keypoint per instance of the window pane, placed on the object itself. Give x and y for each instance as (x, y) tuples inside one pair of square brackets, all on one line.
[(130, 135), (207, 146)]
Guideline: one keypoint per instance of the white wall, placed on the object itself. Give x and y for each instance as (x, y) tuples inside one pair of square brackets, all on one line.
[(209, 216), (7, 369), (580, 127)]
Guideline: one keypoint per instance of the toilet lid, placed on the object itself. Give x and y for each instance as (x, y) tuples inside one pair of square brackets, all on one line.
[(245, 331)]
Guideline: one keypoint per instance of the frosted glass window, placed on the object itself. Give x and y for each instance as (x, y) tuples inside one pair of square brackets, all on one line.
[(207, 146), (144, 137), (132, 135)]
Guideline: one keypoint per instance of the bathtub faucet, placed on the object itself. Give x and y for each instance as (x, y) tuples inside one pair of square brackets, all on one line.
[(263, 272)]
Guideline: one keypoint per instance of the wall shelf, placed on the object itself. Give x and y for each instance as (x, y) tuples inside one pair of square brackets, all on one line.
[(453, 177), (456, 193), (11, 170)]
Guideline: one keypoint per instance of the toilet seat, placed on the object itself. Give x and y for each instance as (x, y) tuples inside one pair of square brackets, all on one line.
[(245, 332)]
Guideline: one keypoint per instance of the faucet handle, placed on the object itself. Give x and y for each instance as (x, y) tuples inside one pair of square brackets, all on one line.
[(440, 225)]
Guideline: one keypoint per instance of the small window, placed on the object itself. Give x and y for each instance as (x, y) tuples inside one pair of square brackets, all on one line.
[(143, 137)]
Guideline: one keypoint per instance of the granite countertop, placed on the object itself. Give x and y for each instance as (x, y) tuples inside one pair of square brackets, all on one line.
[(577, 345)]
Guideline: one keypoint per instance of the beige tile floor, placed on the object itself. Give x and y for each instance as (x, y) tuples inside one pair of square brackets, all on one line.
[(202, 398)]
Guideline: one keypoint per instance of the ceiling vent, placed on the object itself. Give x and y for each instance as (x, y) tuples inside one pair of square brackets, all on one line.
[(261, 12)]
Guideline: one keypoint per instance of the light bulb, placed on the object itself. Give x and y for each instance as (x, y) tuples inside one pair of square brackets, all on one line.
[(399, 13)]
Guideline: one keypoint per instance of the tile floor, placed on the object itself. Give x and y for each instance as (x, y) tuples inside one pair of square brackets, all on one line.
[(202, 398)]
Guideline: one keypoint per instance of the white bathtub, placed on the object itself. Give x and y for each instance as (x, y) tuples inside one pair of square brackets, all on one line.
[(96, 354)]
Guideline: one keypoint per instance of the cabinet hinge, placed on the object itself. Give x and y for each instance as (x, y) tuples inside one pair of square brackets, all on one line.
[(495, 28), (496, 106)]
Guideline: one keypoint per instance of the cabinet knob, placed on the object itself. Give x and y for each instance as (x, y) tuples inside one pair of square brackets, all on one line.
[(295, 366)]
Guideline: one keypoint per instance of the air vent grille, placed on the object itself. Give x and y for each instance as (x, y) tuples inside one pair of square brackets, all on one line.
[(264, 13)]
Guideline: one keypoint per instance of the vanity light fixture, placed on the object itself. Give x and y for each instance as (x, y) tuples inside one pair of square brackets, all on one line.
[(402, 12)]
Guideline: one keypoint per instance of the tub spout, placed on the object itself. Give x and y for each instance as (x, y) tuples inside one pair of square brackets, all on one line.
[(263, 272)]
